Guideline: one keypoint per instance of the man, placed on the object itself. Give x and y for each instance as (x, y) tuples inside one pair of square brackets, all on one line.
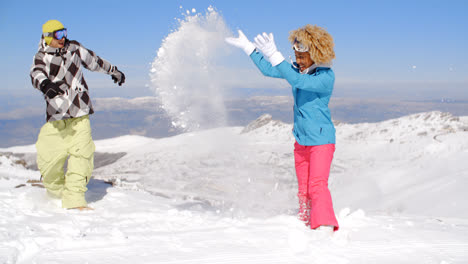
[(57, 73)]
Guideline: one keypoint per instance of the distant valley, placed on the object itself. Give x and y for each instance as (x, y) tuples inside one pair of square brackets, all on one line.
[(143, 116)]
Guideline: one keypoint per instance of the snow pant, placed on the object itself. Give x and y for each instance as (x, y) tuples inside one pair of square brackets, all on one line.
[(57, 141), (312, 170)]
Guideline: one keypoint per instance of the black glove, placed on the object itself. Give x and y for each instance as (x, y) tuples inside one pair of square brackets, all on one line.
[(118, 76), (51, 89)]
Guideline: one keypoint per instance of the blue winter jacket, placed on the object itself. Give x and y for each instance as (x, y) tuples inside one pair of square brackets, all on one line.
[(312, 92)]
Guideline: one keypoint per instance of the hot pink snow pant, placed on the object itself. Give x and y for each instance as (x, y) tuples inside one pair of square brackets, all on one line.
[(312, 171)]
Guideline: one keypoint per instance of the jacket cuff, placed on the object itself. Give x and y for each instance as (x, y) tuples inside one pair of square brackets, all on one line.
[(249, 48), (113, 70), (276, 58), (43, 85)]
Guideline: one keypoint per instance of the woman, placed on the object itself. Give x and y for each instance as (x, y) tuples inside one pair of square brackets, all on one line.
[(312, 82)]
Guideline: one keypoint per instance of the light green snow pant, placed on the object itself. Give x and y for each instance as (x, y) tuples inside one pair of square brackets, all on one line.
[(57, 141)]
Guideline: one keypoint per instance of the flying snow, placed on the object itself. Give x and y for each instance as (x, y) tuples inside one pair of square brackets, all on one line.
[(183, 74)]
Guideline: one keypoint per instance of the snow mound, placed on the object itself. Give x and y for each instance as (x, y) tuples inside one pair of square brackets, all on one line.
[(122, 144), (14, 167)]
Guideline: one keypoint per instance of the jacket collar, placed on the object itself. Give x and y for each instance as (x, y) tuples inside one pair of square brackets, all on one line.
[(312, 68), (43, 47)]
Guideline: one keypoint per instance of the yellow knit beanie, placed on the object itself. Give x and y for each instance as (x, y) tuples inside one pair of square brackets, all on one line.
[(49, 27)]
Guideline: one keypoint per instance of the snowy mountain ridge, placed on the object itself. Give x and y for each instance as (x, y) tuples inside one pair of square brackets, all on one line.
[(149, 102), (219, 165), (429, 124), (138, 103)]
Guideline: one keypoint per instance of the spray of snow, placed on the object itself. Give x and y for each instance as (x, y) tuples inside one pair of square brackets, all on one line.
[(183, 75)]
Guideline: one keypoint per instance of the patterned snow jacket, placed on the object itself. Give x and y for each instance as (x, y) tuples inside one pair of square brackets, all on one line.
[(312, 92), (63, 66)]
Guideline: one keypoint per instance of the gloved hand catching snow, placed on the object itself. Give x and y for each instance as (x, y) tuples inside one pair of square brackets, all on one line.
[(266, 44), (242, 42)]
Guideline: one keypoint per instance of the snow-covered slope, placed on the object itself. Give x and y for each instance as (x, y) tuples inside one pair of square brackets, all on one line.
[(404, 165), (228, 195), (414, 165)]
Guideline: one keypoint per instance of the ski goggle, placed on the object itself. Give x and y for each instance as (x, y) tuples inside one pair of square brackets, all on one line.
[(57, 34), (299, 47)]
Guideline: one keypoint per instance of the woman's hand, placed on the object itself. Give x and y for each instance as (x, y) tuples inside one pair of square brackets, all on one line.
[(266, 44), (242, 42)]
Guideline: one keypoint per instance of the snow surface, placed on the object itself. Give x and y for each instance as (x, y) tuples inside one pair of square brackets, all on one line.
[(228, 195)]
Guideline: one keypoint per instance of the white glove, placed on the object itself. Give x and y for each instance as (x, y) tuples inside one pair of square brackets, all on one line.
[(242, 42), (266, 44)]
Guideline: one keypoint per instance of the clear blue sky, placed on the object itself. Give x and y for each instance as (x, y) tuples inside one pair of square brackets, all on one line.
[(378, 43)]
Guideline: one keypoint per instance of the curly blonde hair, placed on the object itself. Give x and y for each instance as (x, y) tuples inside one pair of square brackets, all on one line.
[(319, 41)]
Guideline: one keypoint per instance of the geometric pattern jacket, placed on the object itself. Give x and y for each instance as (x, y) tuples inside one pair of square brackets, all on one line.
[(63, 66)]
